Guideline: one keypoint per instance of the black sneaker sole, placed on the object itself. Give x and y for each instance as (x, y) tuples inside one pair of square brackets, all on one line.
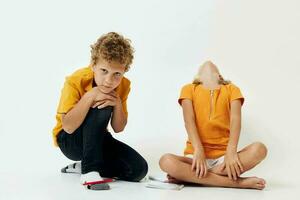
[(101, 186)]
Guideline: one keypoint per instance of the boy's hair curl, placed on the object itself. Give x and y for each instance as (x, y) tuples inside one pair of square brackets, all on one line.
[(112, 47)]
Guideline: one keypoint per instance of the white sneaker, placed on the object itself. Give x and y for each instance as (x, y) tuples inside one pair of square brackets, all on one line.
[(91, 178), (72, 168), (93, 181)]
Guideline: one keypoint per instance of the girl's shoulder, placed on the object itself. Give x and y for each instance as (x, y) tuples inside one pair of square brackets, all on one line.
[(189, 86), (231, 86)]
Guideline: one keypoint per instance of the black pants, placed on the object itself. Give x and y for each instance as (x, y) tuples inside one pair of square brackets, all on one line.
[(99, 151)]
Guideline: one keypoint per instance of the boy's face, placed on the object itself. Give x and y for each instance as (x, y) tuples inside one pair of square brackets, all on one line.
[(108, 75)]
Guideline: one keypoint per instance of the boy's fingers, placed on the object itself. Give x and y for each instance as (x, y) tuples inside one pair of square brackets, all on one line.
[(113, 98), (113, 93), (103, 105), (109, 97), (97, 103)]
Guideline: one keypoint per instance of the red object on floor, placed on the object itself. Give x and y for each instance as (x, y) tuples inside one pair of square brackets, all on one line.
[(107, 180)]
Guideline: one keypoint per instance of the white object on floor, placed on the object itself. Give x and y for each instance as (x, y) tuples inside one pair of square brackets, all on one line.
[(161, 183), (158, 178)]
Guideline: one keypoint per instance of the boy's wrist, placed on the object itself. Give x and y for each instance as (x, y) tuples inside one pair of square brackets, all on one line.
[(89, 97), (118, 103)]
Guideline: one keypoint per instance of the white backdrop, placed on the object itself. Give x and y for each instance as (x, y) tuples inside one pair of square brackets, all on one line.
[(254, 43)]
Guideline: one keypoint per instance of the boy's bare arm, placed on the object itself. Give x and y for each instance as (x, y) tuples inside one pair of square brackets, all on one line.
[(74, 118), (119, 118)]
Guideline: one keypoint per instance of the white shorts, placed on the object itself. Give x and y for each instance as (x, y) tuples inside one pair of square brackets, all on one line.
[(210, 162)]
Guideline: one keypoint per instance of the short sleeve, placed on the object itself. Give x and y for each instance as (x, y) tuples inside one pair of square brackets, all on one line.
[(69, 98), (235, 93), (186, 93)]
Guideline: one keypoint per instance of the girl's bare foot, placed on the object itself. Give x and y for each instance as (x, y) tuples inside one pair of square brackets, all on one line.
[(252, 183), (173, 180), (247, 182)]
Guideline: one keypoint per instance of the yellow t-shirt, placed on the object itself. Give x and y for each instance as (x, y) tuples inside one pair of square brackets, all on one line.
[(76, 85), (212, 116)]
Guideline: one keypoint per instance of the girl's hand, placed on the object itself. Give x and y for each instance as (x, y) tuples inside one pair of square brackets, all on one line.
[(199, 164), (232, 164)]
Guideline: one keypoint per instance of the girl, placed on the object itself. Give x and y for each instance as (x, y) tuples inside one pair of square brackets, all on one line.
[(212, 115)]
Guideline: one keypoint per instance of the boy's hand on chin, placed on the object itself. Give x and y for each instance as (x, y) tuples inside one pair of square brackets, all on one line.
[(102, 100)]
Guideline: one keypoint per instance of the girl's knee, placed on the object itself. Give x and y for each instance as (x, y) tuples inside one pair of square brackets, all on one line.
[(166, 161), (259, 150)]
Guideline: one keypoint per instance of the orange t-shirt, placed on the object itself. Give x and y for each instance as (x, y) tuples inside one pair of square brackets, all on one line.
[(212, 116), (76, 85)]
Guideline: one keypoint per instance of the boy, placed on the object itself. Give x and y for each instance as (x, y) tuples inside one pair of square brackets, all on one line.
[(90, 98)]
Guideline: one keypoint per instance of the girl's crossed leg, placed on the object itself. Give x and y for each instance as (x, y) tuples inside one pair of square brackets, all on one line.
[(178, 168)]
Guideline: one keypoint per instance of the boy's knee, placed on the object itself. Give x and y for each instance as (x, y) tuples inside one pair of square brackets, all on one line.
[(142, 171), (259, 150), (102, 112), (139, 171), (102, 116)]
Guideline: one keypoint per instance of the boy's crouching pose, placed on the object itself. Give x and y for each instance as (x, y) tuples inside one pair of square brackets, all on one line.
[(91, 97)]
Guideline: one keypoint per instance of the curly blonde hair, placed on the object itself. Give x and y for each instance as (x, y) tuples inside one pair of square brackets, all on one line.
[(112, 47)]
